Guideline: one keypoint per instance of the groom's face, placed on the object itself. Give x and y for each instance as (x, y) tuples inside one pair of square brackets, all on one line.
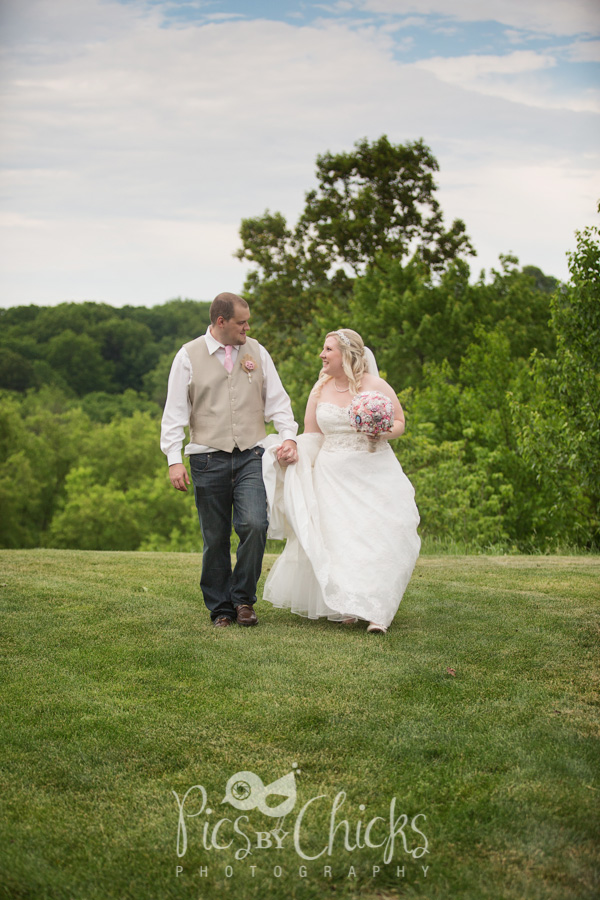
[(234, 330)]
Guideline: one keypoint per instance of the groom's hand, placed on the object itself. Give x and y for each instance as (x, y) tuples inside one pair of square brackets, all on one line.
[(179, 476), (287, 453)]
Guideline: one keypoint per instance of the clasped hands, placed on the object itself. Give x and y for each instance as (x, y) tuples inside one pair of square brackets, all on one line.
[(287, 454)]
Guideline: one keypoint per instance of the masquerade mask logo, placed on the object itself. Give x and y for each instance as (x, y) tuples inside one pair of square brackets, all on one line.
[(245, 791)]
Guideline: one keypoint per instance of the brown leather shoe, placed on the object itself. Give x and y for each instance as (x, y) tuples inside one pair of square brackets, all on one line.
[(222, 622), (245, 615)]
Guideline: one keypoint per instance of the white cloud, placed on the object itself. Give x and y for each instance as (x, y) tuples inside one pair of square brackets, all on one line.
[(222, 17), (39, 30), (584, 51), (408, 22), (496, 76), (121, 261), (466, 68), (491, 196), (341, 6), (556, 17), (132, 151)]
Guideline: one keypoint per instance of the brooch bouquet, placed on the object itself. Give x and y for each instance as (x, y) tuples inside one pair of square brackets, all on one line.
[(248, 365), (371, 413)]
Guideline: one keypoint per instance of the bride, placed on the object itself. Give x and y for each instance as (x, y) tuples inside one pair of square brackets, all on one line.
[(348, 514)]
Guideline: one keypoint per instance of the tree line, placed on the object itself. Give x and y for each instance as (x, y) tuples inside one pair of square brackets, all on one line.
[(498, 375), (82, 388)]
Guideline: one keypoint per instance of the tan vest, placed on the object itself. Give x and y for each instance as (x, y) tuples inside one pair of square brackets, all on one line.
[(227, 409)]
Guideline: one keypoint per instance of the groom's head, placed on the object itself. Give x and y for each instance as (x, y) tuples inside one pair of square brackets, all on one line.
[(229, 318)]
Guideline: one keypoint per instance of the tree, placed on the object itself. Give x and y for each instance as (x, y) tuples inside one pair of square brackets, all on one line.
[(92, 347), (95, 516), (129, 348), (173, 322), (20, 488), (40, 437), (461, 447), (77, 358), (518, 302), (103, 407), (379, 199), (559, 430), (78, 317), (119, 496), (412, 318), (17, 373), (375, 202), (546, 283)]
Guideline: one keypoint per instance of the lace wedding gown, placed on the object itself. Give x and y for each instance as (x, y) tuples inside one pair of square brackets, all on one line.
[(350, 521)]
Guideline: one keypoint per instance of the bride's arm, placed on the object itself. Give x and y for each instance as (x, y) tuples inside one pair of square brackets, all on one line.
[(310, 416), (398, 426), (374, 383)]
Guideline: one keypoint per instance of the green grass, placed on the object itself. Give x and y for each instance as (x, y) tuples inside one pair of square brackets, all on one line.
[(116, 692)]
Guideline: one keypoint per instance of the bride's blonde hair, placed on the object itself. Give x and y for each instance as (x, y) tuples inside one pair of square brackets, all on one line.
[(354, 363)]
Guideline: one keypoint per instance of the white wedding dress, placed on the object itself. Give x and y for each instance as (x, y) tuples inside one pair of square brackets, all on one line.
[(350, 520)]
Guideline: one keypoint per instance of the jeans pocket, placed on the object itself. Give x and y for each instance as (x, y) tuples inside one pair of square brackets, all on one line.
[(199, 462)]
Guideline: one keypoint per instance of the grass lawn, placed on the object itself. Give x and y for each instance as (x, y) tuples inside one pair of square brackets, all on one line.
[(455, 757)]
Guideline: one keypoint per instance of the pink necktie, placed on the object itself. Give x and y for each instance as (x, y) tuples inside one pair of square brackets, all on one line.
[(228, 359)]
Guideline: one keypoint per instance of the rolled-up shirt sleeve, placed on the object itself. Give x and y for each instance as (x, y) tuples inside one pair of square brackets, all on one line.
[(176, 414), (278, 408)]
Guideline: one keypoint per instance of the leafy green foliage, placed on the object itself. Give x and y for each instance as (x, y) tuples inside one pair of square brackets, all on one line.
[(39, 436), (559, 429), (88, 348), (79, 426), (77, 360), (17, 373), (370, 252), (377, 201), (499, 377), (462, 454)]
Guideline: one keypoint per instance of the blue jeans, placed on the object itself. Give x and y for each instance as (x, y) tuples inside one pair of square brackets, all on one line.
[(226, 482)]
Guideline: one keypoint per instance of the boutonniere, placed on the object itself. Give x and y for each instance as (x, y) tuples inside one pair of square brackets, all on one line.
[(248, 365)]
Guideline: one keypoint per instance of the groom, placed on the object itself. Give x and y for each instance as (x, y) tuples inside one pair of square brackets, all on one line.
[(224, 385)]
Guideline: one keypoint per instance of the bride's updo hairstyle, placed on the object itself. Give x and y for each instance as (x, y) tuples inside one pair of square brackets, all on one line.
[(354, 362)]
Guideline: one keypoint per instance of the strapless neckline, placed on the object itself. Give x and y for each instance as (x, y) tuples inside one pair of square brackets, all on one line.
[(335, 405)]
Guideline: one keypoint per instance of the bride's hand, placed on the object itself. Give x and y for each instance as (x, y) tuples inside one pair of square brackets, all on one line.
[(287, 454)]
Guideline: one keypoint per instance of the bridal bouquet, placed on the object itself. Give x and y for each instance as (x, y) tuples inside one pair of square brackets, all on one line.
[(371, 413)]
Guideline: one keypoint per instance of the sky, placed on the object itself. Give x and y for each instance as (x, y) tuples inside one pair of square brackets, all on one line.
[(135, 135)]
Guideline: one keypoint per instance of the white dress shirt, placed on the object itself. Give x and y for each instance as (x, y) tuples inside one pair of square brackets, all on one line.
[(176, 415)]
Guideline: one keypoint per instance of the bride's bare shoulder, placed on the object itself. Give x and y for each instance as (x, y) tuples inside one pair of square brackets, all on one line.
[(371, 382)]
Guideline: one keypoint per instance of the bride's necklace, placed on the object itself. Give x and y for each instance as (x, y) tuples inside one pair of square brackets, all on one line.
[(340, 390)]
